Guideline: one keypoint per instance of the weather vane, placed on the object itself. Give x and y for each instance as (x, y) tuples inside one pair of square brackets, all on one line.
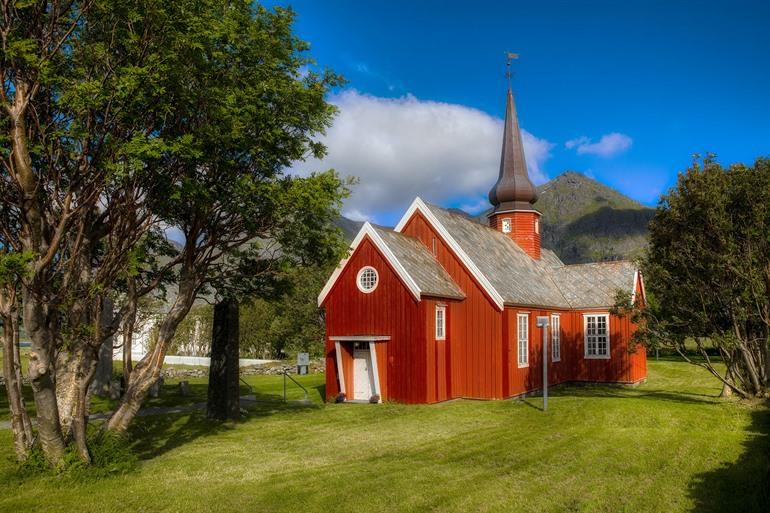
[(508, 58)]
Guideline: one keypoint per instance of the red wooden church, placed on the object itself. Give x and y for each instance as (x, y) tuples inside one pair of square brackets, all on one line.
[(443, 307)]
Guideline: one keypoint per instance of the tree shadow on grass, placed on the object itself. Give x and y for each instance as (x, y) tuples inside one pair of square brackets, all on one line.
[(743, 485), (620, 391), (155, 435)]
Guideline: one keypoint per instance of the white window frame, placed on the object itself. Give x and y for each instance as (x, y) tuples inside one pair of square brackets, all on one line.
[(555, 338), (522, 340), (507, 225), (441, 327), (596, 355), (376, 279)]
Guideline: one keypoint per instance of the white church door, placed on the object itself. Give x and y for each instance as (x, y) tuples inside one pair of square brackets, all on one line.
[(363, 379)]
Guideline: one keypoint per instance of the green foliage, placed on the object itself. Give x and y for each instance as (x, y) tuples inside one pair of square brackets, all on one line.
[(287, 324), (145, 116), (708, 269), (14, 266)]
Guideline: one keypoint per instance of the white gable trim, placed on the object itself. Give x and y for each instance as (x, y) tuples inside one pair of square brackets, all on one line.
[(419, 205), (368, 230), (638, 281)]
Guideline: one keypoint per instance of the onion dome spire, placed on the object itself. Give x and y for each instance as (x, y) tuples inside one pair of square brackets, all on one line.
[(513, 190)]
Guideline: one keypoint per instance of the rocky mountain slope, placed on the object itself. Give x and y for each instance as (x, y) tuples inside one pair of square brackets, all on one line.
[(583, 220), (586, 221)]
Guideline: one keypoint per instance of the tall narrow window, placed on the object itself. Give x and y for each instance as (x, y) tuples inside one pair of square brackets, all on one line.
[(506, 225), (597, 335), (523, 336), (537, 225), (440, 322), (555, 338), (434, 245)]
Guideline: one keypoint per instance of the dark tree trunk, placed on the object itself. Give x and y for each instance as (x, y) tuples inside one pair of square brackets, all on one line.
[(223, 393), (103, 376)]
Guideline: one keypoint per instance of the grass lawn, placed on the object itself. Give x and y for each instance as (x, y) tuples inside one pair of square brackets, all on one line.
[(669, 445)]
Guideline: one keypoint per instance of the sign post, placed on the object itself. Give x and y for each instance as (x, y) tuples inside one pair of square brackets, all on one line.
[(542, 322), (303, 362)]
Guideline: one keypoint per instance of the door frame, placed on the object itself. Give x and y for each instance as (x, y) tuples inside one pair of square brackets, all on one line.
[(371, 339)]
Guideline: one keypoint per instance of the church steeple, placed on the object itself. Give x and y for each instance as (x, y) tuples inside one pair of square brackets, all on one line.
[(514, 193), (513, 190)]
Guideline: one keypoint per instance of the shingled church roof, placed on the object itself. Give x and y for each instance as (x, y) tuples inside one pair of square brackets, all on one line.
[(431, 278), (522, 280), (509, 274)]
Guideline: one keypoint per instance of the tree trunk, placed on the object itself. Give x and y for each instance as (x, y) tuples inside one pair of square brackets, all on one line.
[(223, 391), (80, 415), (69, 372), (751, 369), (103, 376), (41, 369), (36, 307), (727, 390), (147, 371), (128, 326), (21, 439), (27, 423)]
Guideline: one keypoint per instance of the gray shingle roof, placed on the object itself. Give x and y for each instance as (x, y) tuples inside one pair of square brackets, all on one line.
[(594, 285), (513, 273), (421, 265), (520, 280)]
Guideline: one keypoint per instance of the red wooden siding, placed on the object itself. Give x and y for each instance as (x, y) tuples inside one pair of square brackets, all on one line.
[(389, 310), (475, 324), (522, 230), (478, 358)]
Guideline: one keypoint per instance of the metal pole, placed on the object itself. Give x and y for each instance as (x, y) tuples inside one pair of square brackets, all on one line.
[(545, 367), (284, 386)]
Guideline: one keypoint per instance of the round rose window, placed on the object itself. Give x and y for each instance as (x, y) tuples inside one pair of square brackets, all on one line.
[(367, 279)]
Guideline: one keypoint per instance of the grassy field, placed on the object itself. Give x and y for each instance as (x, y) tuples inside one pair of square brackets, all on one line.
[(669, 445)]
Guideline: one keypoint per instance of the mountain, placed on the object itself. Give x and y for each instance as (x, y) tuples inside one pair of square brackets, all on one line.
[(583, 220), (348, 226), (586, 221)]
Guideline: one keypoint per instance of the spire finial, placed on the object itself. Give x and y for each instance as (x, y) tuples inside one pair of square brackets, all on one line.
[(509, 56), (513, 190)]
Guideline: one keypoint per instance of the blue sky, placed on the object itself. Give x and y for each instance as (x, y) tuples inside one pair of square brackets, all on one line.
[(659, 80)]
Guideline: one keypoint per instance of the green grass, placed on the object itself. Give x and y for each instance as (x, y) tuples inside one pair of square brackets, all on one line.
[(669, 445)]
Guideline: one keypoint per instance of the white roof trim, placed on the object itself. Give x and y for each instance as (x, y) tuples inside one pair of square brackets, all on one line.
[(360, 338), (419, 205), (638, 281), (368, 230)]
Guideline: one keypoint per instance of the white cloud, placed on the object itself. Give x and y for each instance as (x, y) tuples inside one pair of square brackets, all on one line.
[(608, 146), (578, 141), (356, 215), (405, 147)]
